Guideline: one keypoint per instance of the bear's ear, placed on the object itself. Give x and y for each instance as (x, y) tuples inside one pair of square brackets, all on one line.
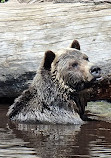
[(48, 59), (75, 44)]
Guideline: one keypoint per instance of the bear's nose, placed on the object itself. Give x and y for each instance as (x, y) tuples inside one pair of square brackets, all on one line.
[(95, 71)]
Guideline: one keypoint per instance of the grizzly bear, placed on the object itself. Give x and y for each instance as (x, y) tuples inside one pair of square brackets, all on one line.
[(53, 96)]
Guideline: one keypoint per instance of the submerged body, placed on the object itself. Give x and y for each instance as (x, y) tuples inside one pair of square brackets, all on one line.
[(54, 95)]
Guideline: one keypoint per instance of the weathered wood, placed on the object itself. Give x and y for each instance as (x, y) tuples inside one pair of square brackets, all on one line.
[(27, 31), (66, 1)]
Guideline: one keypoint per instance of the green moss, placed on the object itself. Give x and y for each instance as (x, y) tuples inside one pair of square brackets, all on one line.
[(2, 1), (100, 109)]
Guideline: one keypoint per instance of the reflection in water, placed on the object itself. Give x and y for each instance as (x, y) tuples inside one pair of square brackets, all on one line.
[(49, 140), (54, 141), (10, 145)]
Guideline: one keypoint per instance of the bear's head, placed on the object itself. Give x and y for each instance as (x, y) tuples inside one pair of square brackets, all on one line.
[(71, 68)]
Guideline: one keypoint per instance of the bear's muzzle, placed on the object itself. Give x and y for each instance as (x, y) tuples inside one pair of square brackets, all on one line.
[(95, 71)]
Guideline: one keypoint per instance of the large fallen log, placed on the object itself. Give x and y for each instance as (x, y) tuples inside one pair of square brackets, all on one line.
[(27, 31), (66, 1)]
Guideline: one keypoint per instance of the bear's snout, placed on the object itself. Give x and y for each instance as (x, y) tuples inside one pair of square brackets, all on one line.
[(95, 71)]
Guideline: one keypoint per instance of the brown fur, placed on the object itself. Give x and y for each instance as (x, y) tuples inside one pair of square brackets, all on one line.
[(57, 93)]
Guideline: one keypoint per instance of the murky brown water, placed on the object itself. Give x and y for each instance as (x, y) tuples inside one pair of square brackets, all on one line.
[(92, 139)]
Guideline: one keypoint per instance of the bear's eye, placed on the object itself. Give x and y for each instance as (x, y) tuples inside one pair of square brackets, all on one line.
[(74, 64), (86, 58)]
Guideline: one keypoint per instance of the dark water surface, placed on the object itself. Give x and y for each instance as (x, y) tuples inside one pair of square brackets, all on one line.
[(92, 139)]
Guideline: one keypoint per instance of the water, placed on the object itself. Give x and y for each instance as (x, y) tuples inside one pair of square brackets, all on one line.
[(89, 140)]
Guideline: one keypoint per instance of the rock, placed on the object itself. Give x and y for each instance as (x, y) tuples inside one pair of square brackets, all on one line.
[(27, 31)]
